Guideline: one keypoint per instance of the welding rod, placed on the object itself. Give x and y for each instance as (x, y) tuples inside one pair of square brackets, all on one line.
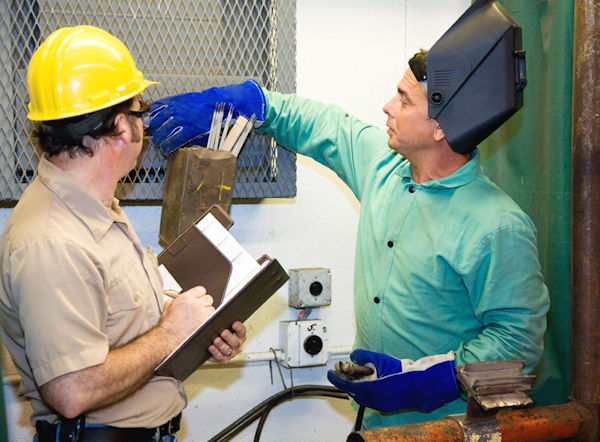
[(234, 133), (237, 147), (226, 127), (353, 371)]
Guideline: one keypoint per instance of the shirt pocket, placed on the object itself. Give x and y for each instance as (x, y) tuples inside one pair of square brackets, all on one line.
[(128, 288), (132, 309)]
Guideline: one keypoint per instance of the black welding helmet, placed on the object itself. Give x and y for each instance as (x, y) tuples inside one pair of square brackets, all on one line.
[(476, 75)]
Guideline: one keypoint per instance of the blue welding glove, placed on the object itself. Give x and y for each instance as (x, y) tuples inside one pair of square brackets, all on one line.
[(179, 120), (424, 384)]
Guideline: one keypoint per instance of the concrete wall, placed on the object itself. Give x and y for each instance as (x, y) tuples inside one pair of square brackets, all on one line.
[(351, 53)]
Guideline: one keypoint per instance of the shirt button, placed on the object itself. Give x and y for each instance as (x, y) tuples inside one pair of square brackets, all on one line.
[(377, 300), (411, 189), (390, 244)]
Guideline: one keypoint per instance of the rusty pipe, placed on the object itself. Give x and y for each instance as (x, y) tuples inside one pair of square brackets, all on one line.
[(553, 422), (585, 211), (537, 424), (442, 430)]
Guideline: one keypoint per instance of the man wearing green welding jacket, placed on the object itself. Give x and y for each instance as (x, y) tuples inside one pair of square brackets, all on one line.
[(447, 268)]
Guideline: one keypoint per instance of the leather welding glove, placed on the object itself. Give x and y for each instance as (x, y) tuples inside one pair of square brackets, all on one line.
[(179, 120), (424, 384)]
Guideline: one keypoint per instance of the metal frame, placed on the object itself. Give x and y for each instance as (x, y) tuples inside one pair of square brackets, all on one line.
[(186, 46)]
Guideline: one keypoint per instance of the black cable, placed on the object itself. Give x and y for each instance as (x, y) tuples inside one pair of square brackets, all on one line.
[(261, 424), (289, 395), (265, 406), (265, 414), (292, 396), (241, 423), (359, 418)]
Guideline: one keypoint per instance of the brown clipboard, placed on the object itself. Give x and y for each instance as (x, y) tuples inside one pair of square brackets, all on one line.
[(193, 260), (193, 352)]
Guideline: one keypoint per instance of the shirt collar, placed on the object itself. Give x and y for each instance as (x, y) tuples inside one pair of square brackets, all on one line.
[(467, 173), (97, 217)]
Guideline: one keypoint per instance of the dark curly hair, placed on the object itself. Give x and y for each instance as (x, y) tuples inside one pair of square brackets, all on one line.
[(418, 65), (66, 135)]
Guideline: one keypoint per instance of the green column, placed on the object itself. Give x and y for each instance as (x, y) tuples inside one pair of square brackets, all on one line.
[(529, 157)]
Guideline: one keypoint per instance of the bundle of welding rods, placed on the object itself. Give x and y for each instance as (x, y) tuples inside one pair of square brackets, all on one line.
[(224, 136)]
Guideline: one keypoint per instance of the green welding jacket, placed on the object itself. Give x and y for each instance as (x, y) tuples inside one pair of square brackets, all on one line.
[(448, 264)]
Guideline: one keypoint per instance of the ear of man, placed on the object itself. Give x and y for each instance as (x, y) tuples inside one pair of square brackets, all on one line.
[(438, 132), (122, 126), (126, 129)]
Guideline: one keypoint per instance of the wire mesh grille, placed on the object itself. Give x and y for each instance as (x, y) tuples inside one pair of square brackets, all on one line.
[(186, 46)]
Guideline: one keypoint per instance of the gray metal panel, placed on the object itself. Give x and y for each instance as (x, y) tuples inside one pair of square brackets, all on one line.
[(186, 46)]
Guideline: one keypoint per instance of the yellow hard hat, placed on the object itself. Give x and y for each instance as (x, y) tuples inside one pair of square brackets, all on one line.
[(78, 70)]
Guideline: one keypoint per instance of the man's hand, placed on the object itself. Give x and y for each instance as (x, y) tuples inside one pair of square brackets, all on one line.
[(185, 119), (425, 384), (184, 314), (229, 343)]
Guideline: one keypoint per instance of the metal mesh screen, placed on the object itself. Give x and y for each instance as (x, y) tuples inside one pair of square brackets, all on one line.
[(186, 46)]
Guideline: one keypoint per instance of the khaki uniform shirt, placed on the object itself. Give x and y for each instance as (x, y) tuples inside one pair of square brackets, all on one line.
[(76, 282)]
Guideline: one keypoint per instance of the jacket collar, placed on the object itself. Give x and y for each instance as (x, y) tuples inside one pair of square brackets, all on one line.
[(467, 173)]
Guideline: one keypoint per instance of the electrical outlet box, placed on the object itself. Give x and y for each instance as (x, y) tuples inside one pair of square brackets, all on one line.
[(304, 342), (309, 287)]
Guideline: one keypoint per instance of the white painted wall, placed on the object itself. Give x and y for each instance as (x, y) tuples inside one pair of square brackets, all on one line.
[(351, 53)]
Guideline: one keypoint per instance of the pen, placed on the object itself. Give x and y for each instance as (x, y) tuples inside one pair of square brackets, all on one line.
[(171, 293)]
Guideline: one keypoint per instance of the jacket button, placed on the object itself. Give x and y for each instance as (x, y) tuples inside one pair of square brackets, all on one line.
[(390, 244), (377, 300), (411, 189)]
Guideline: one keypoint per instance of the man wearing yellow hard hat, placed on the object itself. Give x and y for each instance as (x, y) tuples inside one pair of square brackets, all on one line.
[(81, 300)]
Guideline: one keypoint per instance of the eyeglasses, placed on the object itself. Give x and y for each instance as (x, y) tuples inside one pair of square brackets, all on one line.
[(143, 113), (138, 113)]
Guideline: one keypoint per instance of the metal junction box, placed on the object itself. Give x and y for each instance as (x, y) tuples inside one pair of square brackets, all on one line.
[(309, 287), (304, 342)]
